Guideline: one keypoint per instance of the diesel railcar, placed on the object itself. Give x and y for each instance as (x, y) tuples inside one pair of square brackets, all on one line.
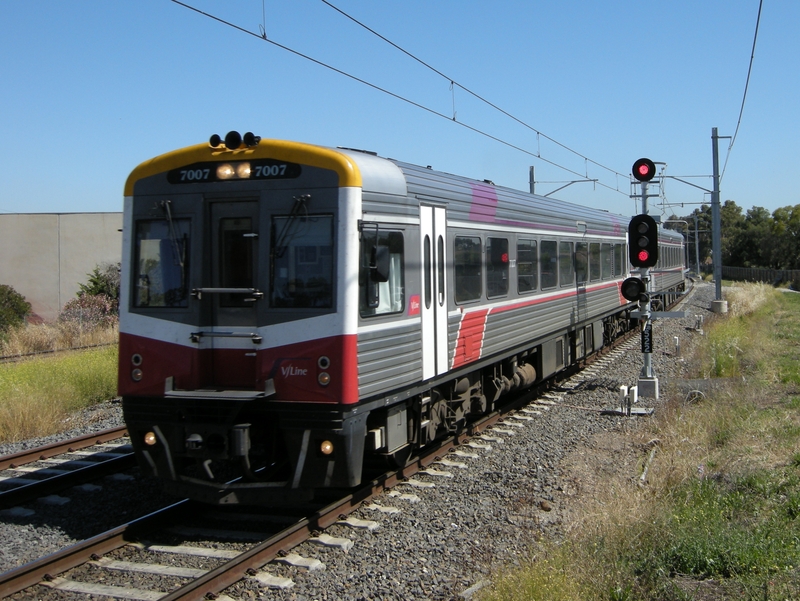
[(290, 313)]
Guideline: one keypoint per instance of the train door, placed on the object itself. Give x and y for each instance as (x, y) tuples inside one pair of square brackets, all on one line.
[(235, 293), (434, 290)]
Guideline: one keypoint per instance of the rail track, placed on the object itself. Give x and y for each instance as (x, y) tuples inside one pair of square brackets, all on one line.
[(235, 566), (49, 469)]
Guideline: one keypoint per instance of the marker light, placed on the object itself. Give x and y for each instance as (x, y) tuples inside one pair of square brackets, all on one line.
[(326, 447), (137, 375), (324, 378), (150, 439)]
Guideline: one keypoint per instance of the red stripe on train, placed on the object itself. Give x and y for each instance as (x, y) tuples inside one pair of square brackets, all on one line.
[(470, 337)]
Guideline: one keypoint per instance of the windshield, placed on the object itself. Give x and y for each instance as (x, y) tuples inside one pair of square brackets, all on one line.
[(302, 261), (161, 263)]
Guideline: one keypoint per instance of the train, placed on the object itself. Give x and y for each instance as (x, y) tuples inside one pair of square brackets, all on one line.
[(293, 315)]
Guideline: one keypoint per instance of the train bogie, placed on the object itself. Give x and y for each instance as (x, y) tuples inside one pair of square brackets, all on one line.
[(290, 313)]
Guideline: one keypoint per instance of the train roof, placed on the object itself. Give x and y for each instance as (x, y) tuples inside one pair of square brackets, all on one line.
[(467, 199)]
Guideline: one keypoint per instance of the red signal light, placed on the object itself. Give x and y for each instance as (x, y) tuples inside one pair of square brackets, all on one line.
[(643, 256), (644, 170)]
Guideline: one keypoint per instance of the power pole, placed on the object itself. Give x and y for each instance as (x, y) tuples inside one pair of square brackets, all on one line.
[(719, 305)]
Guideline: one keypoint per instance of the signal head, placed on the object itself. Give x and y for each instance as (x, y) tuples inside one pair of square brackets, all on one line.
[(632, 289), (644, 170), (643, 241)]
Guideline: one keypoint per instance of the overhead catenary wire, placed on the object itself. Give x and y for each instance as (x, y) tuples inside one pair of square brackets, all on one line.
[(746, 86), (262, 36), (468, 91)]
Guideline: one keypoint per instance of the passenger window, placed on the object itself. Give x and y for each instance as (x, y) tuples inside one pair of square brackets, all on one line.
[(527, 262), (605, 260), (582, 262), (496, 267), (376, 296), (566, 266), (301, 249), (468, 273), (619, 259), (594, 261), (547, 262), (161, 268)]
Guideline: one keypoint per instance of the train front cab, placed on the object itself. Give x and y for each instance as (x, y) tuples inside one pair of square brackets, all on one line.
[(236, 368)]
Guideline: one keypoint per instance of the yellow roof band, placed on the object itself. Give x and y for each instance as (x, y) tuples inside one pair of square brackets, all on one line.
[(293, 152)]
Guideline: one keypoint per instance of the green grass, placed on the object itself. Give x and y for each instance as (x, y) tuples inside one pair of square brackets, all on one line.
[(720, 516), (744, 528), (38, 395)]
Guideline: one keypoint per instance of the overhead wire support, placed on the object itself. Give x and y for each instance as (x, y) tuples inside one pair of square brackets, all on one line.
[(262, 36)]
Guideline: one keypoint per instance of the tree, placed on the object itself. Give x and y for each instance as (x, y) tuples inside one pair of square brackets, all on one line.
[(104, 279), (786, 234), (13, 307)]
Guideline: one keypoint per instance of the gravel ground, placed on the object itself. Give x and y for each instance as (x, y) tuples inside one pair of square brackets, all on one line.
[(445, 541)]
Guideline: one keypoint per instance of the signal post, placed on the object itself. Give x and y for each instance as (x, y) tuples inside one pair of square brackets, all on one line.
[(643, 253)]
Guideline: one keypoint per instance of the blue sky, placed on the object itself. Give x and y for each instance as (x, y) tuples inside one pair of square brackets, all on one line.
[(91, 88)]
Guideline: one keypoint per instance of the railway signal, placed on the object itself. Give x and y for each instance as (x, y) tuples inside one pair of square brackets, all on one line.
[(633, 290), (643, 241), (644, 170)]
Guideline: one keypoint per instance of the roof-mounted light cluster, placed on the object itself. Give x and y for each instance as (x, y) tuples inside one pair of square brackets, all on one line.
[(234, 140)]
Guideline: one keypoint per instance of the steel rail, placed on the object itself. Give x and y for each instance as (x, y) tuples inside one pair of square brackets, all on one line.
[(47, 486), (59, 448), (48, 567)]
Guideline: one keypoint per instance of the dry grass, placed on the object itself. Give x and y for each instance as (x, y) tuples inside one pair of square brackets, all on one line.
[(746, 298), (38, 338), (38, 395), (39, 391)]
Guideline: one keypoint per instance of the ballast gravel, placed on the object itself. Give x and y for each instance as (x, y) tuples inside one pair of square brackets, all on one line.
[(487, 508)]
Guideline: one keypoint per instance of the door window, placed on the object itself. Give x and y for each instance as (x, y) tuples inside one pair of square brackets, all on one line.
[(236, 267)]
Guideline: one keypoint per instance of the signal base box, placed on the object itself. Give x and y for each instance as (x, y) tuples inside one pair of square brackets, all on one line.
[(648, 387)]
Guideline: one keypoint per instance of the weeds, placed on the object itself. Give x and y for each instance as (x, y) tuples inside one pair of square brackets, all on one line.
[(37, 396), (37, 338), (720, 515)]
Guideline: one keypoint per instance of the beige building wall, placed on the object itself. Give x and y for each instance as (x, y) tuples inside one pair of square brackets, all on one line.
[(44, 256)]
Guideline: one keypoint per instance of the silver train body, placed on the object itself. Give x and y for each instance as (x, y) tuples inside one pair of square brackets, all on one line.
[(291, 313)]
